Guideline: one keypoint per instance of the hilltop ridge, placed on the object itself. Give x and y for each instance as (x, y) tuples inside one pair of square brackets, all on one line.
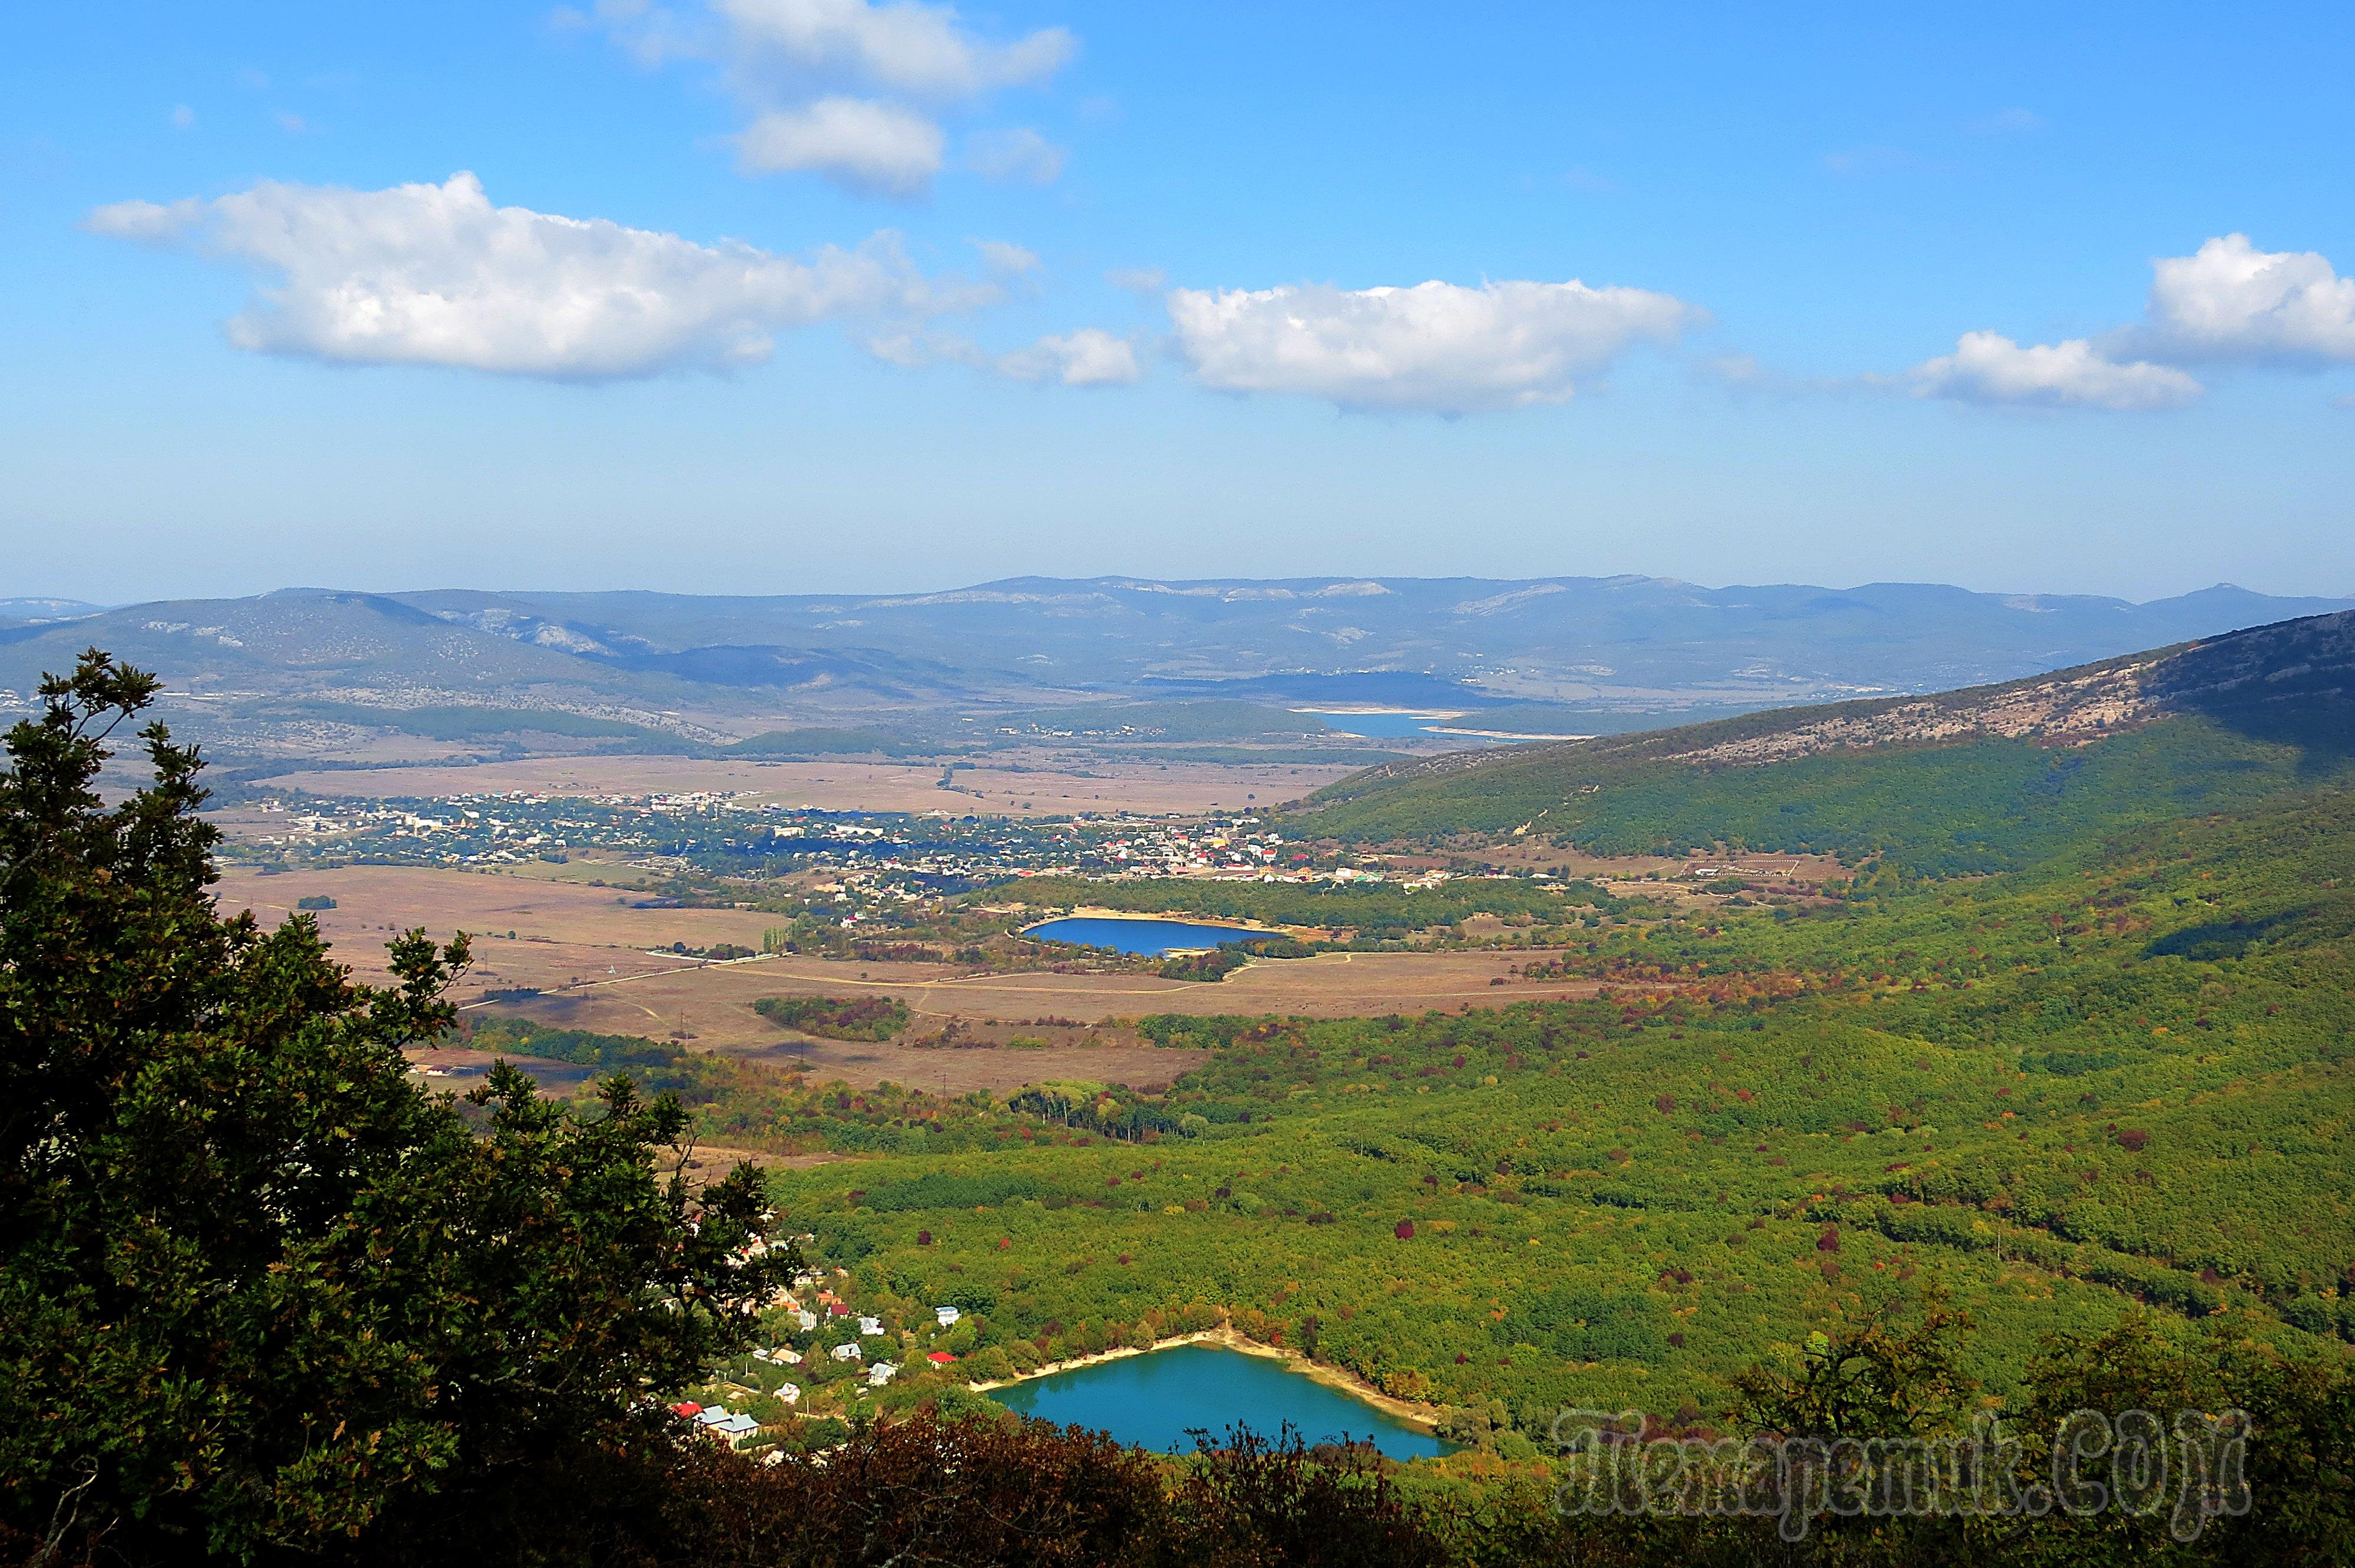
[(1556, 655), (2257, 674), (1964, 780)]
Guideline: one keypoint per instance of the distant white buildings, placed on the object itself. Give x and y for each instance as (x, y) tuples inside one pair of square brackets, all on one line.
[(808, 1321), (881, 1374), (946, 1315), (869, 1327), (847, 1352)]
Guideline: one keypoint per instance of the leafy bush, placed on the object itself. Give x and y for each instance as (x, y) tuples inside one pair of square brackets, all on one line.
[(873, 1018)]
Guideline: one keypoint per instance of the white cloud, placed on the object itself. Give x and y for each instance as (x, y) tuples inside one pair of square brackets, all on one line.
[(1018, 154), (2226, 301), (291, 122), (857, 143), (1088, 357), (1435, 347), (1988, 368), (1137, 280), (2231, 301), (425, 274), (183, 117), (829, 83), (907, 47), (1005, 257)]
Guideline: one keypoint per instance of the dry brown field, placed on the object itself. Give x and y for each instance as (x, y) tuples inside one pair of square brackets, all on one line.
[(588, 955), (1050, 787)]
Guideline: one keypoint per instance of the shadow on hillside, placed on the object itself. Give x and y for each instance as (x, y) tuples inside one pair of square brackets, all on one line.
[(2287, 684), (2326, 920)]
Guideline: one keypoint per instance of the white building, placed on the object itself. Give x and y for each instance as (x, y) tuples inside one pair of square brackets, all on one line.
[(881, 1374), (849, 1352), (946, 1315), (869, 1327)]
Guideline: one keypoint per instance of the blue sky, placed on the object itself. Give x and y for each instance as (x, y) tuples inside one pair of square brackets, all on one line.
[(773, 295)]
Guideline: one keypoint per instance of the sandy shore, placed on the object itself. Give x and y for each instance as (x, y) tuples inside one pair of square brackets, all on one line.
[(1423, 1416)]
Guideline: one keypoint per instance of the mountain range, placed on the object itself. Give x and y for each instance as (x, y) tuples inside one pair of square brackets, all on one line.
[(1564, 654)]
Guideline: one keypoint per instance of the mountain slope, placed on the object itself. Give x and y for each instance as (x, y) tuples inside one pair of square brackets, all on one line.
[(1975, 779)]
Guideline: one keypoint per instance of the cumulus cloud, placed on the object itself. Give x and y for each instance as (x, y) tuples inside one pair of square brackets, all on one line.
[(2227, 302), (907, 47), (1435, 347), (1005, 257), (859, 144), (426, 274), (1087, 357), (2231, 301), (1021, 155), (1988, 368), (832, 84)]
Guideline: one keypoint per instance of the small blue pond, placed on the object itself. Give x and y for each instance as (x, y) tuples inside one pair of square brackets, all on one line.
[(1139, 936), (1150, 1401)]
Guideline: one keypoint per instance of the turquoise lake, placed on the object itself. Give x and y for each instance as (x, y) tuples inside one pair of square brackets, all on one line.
[(1150, 1401), (1139, 936)]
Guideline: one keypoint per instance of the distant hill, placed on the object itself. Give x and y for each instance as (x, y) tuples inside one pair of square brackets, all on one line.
[(18, 612), (1407, 641), (302, 668), (1975, 779)]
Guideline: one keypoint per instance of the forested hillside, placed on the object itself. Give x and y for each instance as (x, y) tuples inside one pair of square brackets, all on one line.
[(2120, 1077), (1989, 779), (2068, 1133)]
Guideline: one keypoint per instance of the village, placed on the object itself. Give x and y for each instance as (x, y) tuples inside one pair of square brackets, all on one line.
[(825, 1355), (649, 839)]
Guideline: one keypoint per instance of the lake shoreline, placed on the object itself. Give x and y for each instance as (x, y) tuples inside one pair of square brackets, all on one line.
[(1243, 927), (1423, 1417)]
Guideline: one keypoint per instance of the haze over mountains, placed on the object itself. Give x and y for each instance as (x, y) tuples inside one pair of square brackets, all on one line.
[(1565, 654)]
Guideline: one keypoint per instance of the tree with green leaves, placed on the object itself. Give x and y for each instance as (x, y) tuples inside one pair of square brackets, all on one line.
[(260, 1294)]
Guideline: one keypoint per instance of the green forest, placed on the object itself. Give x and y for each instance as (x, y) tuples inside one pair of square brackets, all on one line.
[(2120, 1078), (1940, 811), (2062, 1129)]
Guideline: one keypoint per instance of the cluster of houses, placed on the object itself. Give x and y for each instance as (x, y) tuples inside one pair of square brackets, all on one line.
[(732, 1427), (725, 1426)]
